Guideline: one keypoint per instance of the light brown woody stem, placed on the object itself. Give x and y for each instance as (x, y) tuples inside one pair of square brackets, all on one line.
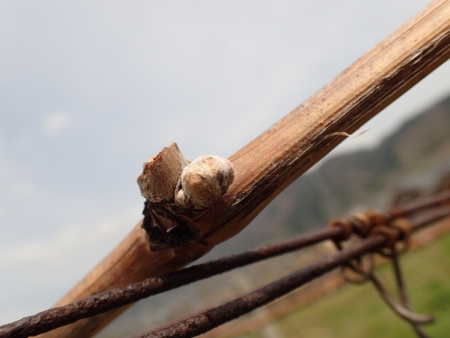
[(281, 154)]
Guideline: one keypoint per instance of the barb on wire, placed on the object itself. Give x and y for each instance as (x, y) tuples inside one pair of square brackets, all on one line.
[(402, 293), (404, 310), (103, 302), (395, 230)]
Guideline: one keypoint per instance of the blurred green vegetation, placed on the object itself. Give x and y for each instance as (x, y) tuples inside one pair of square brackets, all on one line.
[(358, 311)]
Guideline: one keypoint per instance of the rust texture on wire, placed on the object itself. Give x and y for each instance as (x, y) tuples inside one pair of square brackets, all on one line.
[(103, 302), (212, 318), (425, 202), (222, 314), (397, 232), (403, 294)]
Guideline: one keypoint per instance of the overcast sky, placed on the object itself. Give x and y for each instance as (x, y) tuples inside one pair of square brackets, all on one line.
[(91, 89)]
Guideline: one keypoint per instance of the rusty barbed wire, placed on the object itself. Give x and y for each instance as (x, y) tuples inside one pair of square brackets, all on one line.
[(103, 302), (212, 318), (53, 318), (403, 294), (421, 203), (395, 230)]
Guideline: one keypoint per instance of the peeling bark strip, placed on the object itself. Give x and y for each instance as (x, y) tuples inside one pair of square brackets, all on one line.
[(158, 183), (276, 158), (161, 174)]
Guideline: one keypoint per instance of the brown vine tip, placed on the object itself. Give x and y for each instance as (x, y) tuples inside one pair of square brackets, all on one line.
[(203, 181), (161, 173)]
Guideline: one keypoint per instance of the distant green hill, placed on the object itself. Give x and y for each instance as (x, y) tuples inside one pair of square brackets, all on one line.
[(335, 315)]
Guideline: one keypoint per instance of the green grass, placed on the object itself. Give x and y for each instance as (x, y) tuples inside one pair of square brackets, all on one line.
[(358, 311)]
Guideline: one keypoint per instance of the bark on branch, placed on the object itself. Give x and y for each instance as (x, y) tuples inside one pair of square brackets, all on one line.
[(277, 157)]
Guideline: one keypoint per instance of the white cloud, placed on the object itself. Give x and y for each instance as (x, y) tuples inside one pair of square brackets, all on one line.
[(55, 123)]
